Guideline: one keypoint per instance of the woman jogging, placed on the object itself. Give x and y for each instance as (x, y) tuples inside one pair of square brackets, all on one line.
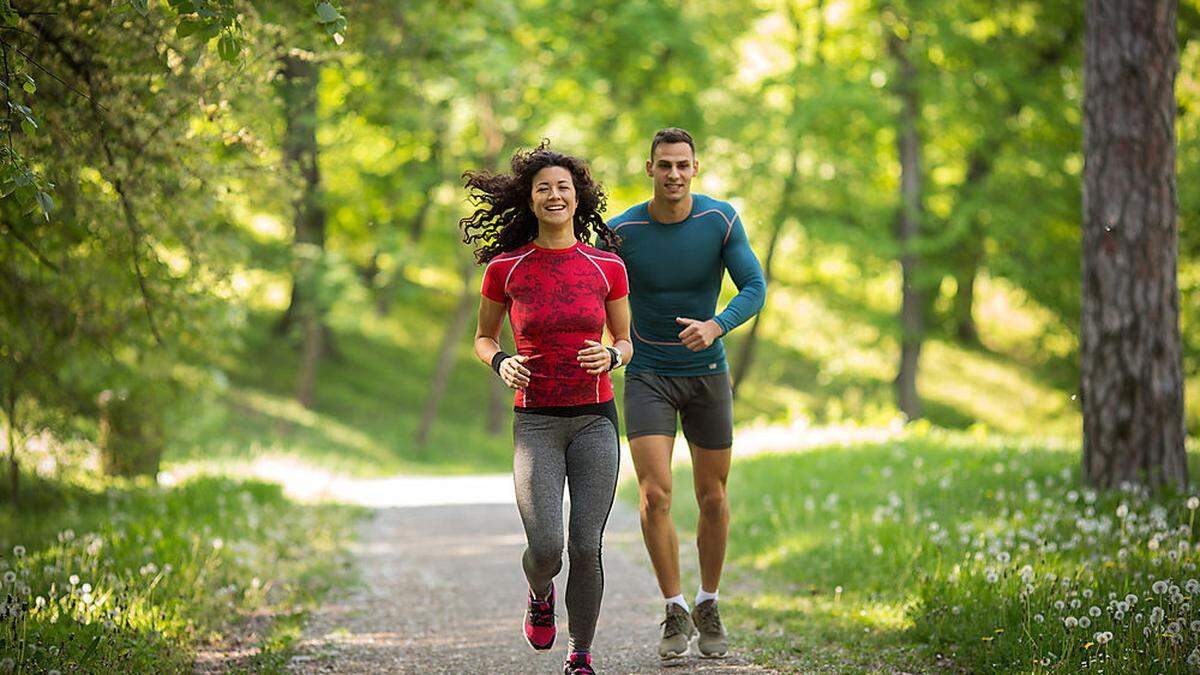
[(559, 293)]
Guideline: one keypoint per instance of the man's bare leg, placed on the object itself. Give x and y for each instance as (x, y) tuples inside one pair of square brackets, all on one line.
[(710, 471), (652, 462)]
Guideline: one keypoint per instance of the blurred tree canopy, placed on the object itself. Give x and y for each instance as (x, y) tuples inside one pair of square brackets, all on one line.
[(149, 155)]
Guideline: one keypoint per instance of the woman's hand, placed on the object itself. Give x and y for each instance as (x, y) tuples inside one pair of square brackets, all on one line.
[(514, 373), (595, 358)]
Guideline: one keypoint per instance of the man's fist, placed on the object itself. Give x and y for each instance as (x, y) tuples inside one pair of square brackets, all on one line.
[(698, 335)]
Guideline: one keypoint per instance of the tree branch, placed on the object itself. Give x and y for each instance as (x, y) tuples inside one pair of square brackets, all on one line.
[(135, 233), (33, 249)]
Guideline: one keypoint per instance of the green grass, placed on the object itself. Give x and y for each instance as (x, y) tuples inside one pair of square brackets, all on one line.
[(128, 576), (877, 556)]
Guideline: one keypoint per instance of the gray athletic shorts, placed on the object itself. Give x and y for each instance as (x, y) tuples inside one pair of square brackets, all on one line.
[(704, 404)]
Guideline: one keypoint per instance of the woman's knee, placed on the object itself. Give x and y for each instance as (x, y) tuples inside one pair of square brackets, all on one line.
[(545, 556), (582, 549)]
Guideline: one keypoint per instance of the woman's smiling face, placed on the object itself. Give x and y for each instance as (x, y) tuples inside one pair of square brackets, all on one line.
[(553, 199)]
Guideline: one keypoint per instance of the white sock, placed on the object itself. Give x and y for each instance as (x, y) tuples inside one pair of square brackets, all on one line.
[(678, 599), (702, 595)]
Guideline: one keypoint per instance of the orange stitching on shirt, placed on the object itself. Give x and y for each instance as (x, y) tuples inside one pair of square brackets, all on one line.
[(631, 222), (728, 222), (650, 342)]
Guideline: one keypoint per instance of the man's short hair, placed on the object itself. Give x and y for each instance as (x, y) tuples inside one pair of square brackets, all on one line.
[(672, 135)]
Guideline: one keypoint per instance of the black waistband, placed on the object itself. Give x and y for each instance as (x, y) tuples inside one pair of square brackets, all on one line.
[(607, 409)]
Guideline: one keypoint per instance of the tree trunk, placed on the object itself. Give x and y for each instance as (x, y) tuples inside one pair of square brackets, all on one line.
[(299, 93), (964, 303), (745, 358), (980, 165), (1131, 370), (310, 359), (912, 306), (969, 253), (448, 352)]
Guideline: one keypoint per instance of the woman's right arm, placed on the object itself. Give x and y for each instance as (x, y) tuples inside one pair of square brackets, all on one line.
[(487, 344)]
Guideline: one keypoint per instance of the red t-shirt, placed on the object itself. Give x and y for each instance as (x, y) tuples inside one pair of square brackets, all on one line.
[(555, 300)]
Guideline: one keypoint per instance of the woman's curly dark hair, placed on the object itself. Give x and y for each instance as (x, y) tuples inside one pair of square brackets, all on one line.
[(503, 220)]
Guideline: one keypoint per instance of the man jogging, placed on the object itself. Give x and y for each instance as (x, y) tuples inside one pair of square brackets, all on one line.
[(676, 248)]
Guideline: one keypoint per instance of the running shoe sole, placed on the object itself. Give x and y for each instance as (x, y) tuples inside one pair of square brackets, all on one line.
[(677, 658)]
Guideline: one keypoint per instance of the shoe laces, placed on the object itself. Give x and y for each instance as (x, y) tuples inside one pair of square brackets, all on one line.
[(541, 613), (674, 624), (708, 618)]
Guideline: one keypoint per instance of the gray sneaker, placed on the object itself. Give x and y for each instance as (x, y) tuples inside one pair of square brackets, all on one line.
[(712, 643), (677, 632)]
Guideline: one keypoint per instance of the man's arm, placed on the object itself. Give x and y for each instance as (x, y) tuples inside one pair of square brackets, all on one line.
[(747, 275)]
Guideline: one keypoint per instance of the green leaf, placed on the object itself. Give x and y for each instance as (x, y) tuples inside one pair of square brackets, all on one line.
[(327, 13), (28, 126), (142, 6), (187, 27), (29, 85), (45, 202), (228, 48), (210, 31)]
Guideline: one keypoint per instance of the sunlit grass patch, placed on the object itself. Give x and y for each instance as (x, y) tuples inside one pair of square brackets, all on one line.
[(1073, 579), (132, 577), (964, 544)]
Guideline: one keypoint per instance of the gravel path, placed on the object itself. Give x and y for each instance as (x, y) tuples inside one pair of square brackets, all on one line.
[(444, 590)]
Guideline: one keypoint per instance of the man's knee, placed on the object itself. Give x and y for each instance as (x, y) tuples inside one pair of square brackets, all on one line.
[(712, 501), (656, 499)]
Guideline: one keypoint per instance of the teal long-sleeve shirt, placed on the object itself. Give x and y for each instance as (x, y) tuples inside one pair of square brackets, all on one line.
[(675, 270)]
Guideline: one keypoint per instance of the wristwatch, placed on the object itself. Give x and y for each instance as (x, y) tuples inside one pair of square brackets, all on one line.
[(615, 355)]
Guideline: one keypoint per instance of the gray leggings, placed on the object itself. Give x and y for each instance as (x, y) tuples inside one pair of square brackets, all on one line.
[(581, 451)]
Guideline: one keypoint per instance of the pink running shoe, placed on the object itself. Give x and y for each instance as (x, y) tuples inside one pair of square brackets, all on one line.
[(578, 664), (539, 622)]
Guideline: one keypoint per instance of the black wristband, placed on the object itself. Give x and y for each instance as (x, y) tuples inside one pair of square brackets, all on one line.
[(500, 356), (613, 355)]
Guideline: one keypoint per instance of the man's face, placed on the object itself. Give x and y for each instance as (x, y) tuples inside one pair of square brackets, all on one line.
[(672, 168)]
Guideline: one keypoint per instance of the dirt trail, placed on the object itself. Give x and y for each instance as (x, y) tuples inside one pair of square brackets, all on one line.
[(444, 590)]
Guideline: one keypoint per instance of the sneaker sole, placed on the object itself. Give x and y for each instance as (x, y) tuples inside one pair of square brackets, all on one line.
[(672, 659), (678, 658)]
